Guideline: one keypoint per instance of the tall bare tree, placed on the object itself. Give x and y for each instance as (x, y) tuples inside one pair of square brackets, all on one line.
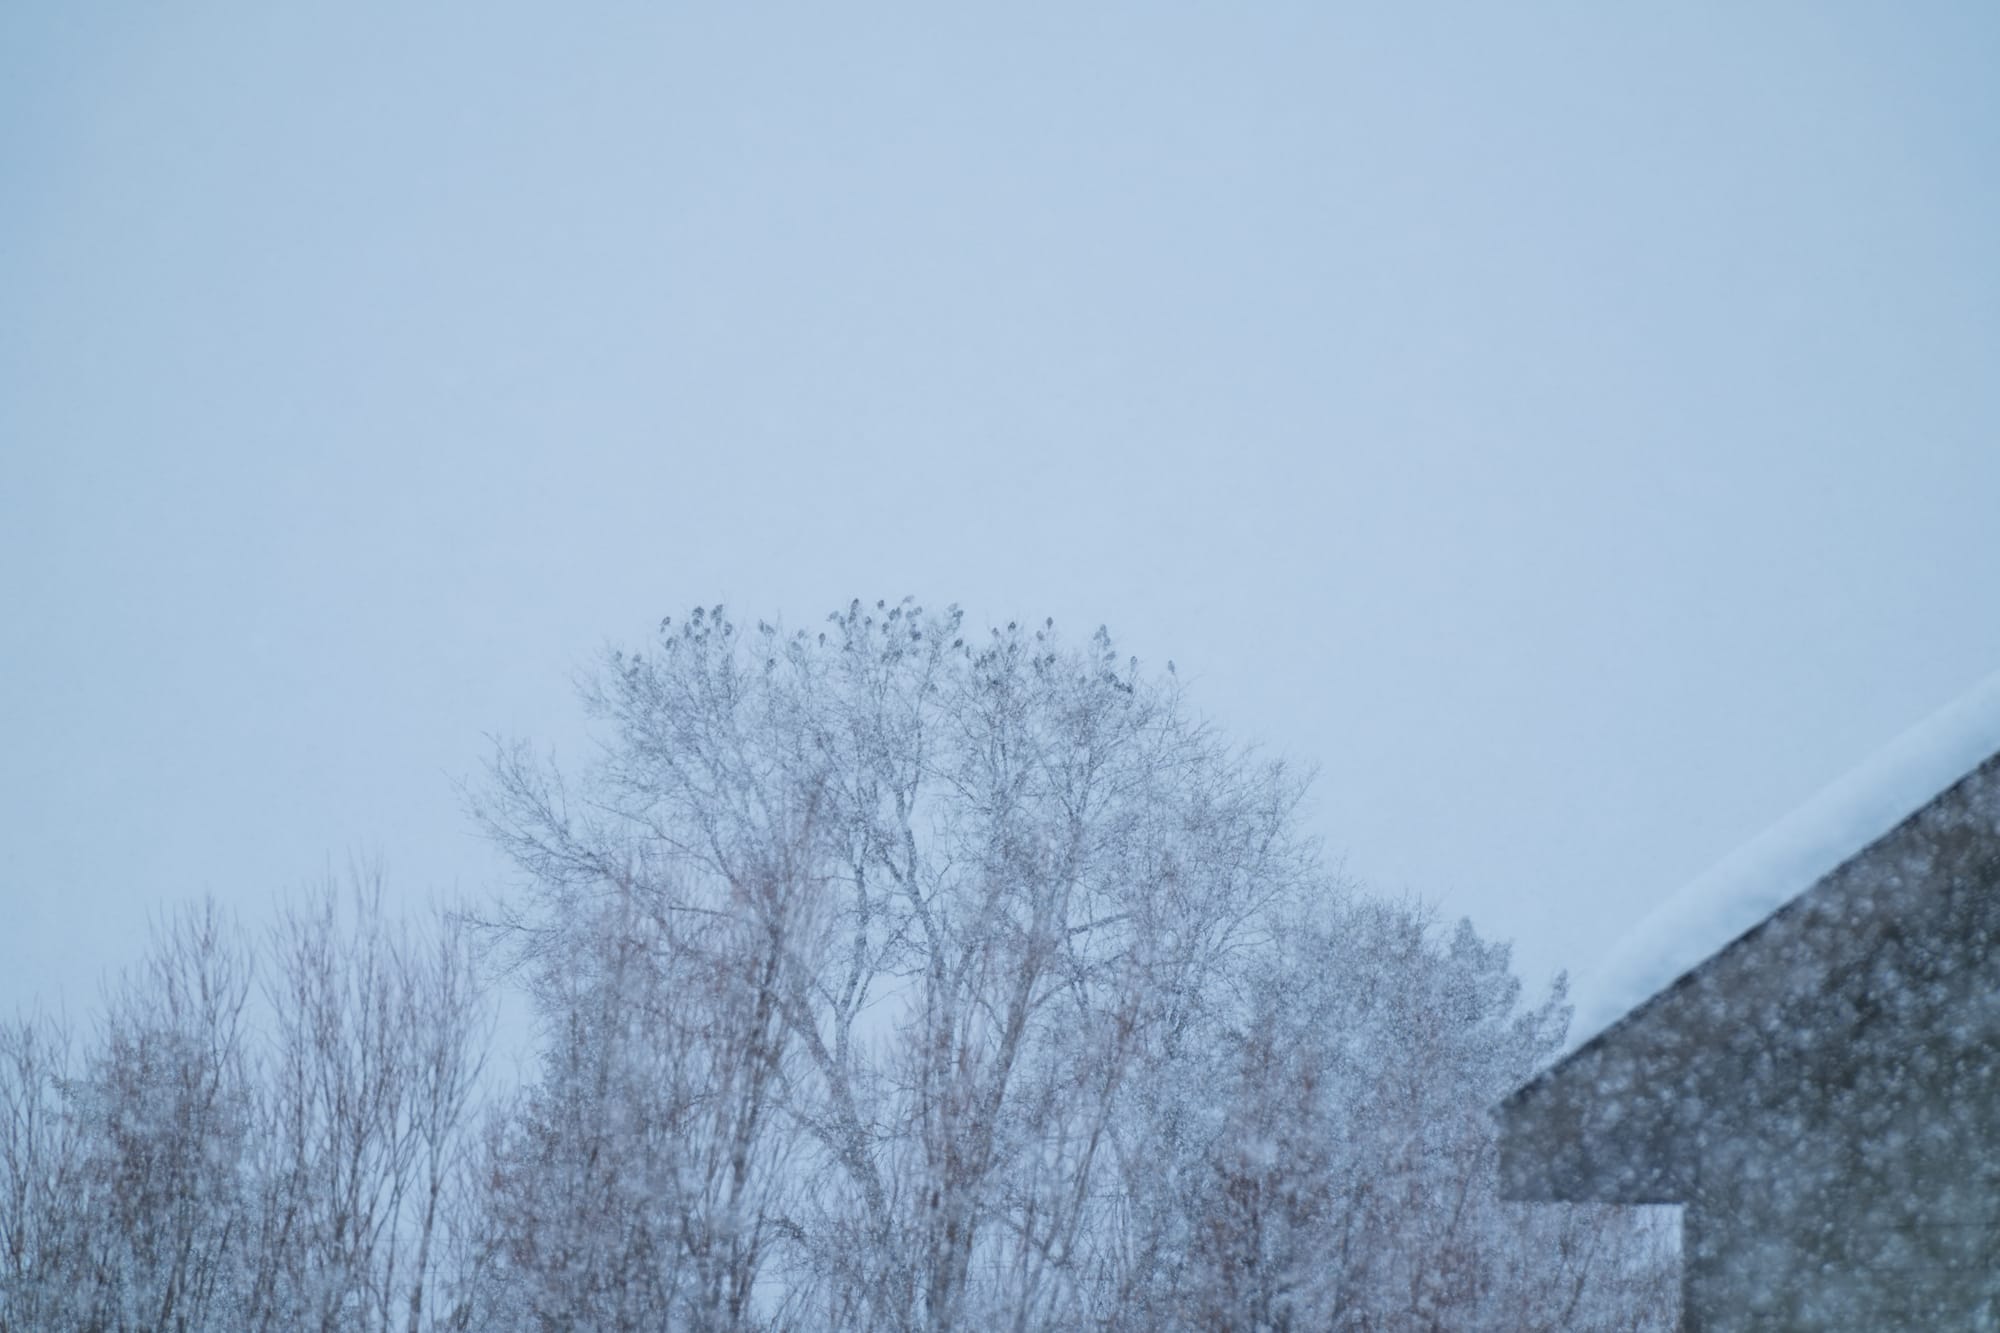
[(986, 880)]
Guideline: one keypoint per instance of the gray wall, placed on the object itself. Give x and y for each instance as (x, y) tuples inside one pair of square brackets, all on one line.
[(1821, 1096)]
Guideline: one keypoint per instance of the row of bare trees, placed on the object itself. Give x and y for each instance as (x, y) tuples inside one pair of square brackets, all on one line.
[(258, 1133), (882, 980)]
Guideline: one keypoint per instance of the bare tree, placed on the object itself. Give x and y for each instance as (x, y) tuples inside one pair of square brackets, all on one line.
[(165, 1107), (196, 1171), (448, 1021), (1347, 1177), (44, 1236), (642, 1178), (1018, 865), (377, 1041)]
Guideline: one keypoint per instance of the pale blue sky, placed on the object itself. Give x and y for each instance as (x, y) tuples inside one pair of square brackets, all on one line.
[(1575, 428)]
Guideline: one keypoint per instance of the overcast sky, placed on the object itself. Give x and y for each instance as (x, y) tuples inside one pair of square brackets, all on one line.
[(1575, 429)]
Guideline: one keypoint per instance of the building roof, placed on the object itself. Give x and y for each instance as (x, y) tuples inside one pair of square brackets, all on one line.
[(1711, 912)]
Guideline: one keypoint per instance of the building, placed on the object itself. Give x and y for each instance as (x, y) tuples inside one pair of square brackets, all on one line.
[(1803, 1050)]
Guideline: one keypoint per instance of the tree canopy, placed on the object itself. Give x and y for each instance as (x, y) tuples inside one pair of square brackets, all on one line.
[(887, 976)]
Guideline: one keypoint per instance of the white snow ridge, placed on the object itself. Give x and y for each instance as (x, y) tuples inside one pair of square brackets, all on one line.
[(1790, 857)]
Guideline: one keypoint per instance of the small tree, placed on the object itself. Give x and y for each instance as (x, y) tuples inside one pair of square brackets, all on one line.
[(1348, 1175), (45, 1239), (377, 1041), (166, 1110)]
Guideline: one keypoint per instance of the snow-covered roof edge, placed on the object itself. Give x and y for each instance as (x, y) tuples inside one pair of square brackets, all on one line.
[(1712, 911)]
